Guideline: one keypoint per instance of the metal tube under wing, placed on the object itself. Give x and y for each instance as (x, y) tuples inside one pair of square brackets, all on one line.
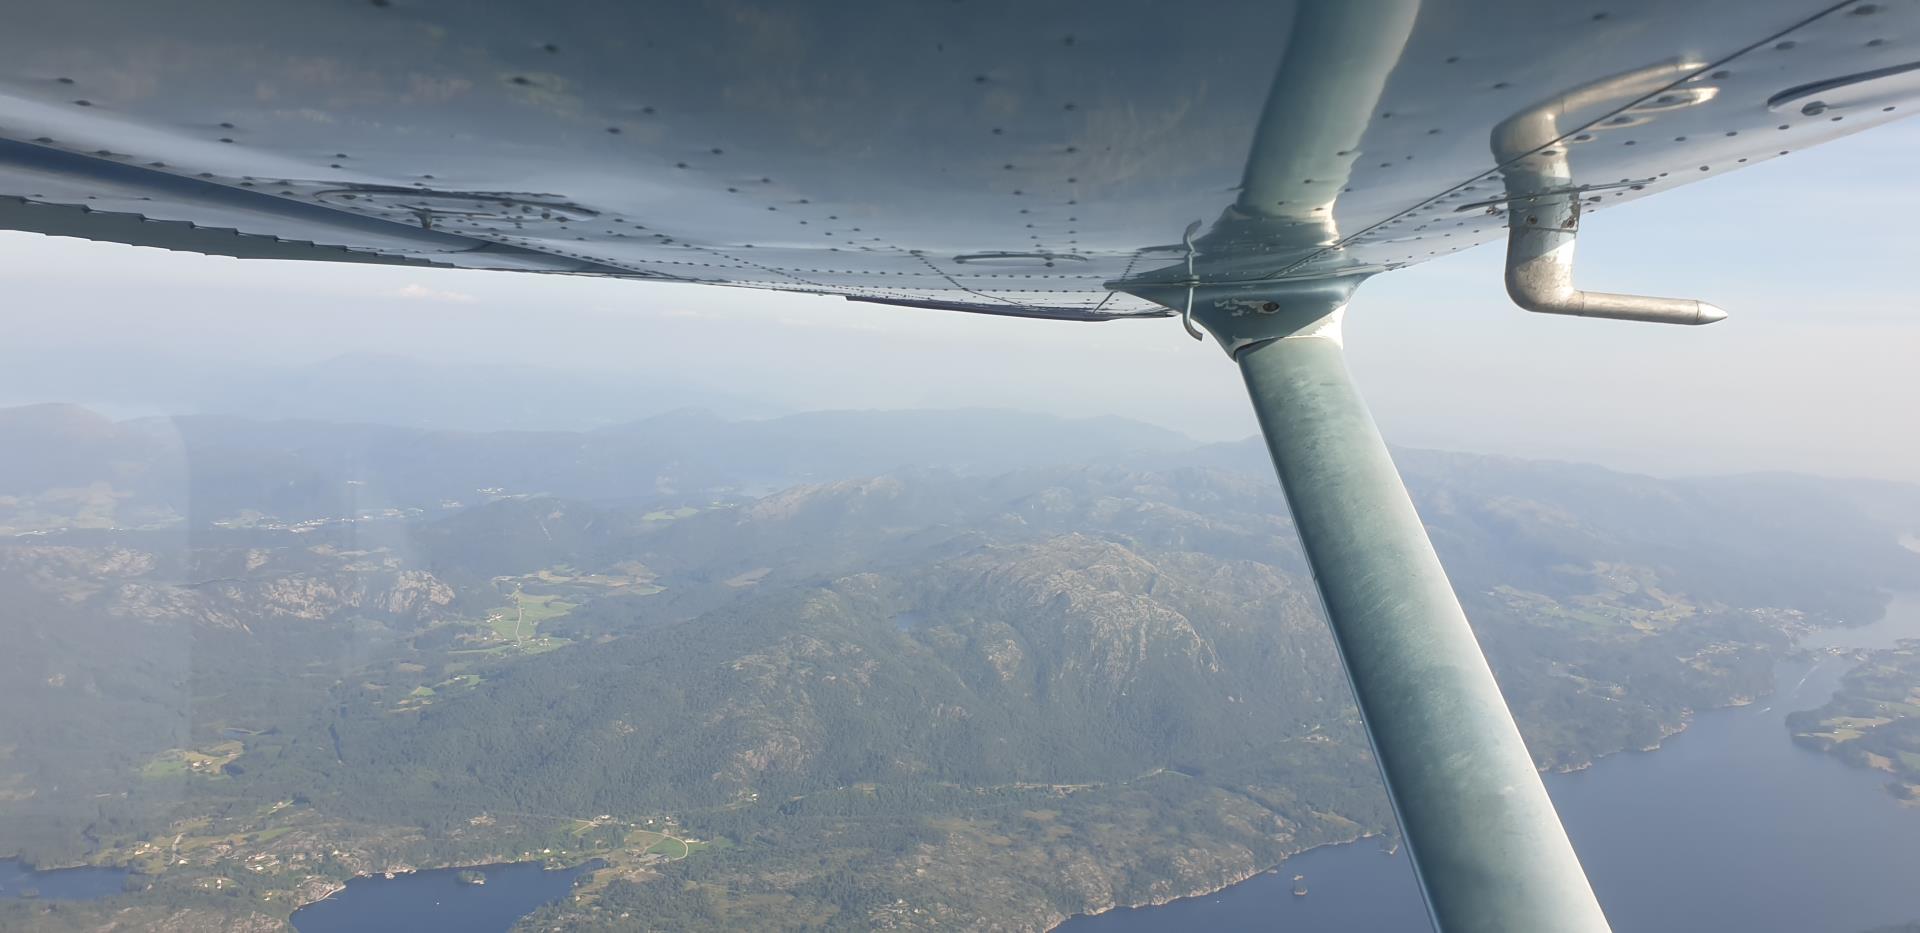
[(1486, 843)]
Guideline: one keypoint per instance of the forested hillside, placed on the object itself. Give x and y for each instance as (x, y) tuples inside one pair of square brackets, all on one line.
[(1013, 685)]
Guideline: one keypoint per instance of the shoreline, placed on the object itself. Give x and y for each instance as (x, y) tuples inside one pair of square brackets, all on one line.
[(1667, 732), (1203, 892)]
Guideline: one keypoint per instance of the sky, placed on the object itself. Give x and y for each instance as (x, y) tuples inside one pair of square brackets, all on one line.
[(1816, 370)]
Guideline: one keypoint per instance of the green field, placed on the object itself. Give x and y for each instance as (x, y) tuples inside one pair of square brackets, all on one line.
[(668, 515)]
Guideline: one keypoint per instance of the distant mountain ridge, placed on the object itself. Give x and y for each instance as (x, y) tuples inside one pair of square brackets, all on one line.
[(384, 388), (213, 467)]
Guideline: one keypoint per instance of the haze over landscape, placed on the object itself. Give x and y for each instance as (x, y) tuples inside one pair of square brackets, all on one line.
[(1811, 373), (781, 612)]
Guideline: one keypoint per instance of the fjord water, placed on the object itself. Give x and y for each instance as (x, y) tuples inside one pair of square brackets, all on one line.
[(65, 884), (1728, 826), (437, 900)]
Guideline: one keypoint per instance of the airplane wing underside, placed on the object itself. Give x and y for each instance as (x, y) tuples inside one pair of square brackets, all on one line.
[(1023, 159)]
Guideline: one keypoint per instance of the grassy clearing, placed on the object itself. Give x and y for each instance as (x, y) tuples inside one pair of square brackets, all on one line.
[(670, 848), (543, 607), (749, 578), (178, 762), (167, 764), (670, 515)]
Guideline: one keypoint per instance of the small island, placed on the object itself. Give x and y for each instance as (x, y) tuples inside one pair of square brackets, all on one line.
[(1873, 720), (471, 876)]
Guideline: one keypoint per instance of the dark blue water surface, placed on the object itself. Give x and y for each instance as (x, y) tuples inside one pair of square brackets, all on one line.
[(437, 900), (1729, 826), (66, 884)]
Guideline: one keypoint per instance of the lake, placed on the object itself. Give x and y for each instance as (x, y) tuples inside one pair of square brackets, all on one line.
[(67, 884), (437, 900), (1728, 826)]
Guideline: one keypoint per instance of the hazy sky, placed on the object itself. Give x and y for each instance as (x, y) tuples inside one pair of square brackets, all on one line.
[(1815, 370)]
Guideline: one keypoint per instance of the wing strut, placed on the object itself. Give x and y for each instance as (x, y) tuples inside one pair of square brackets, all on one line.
[(1486, 843)]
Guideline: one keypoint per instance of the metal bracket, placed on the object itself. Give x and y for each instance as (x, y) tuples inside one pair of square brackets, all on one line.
[(1543, 198), (1242, 314), (1541, 230), (1193, 281)]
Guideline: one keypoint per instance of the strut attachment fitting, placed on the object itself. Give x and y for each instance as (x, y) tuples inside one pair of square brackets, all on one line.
[(1541, 230)]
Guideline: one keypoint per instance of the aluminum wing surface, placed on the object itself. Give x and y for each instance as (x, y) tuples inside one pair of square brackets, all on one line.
[(1025, 159)]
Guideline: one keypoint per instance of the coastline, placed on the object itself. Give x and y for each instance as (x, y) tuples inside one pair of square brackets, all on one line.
[(1234, 879), (1667, 733)]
